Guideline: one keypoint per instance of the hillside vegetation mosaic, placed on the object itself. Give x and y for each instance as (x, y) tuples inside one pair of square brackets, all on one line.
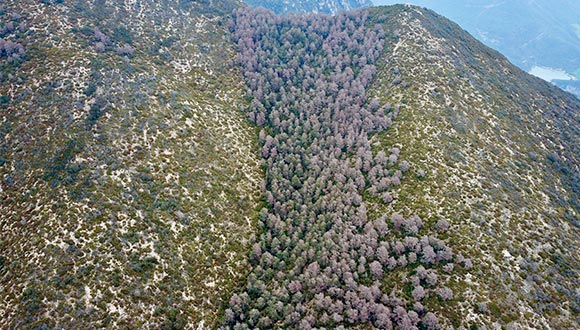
[(207, 165)]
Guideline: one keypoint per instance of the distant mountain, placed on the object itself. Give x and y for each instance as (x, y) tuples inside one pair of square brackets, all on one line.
[(172, 164), (543, 35), (309, 6)]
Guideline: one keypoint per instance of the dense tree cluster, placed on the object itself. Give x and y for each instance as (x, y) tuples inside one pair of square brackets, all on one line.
[(11, 49), (7, 29), (320, 260), (104, 42)]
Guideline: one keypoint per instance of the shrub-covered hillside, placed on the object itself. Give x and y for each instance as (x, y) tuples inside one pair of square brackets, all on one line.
[(129, 179), (500, 150), (201, 164)]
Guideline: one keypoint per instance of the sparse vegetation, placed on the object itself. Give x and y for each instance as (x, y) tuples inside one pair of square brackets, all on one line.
[(128, 186), (393, 173)]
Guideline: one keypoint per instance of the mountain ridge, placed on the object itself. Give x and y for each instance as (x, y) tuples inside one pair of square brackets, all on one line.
[(309, 6), (140, 196), (538, 36), (461, 167)]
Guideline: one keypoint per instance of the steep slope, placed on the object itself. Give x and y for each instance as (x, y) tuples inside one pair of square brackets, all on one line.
[(325, 258), (128, 176), (456, 207), (309, 6), (394, 172), (501, 153), (541, 37)]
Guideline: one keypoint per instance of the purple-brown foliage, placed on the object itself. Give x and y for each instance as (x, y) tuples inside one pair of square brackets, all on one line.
[(125, 50), (12, 50), (445, 293), (430, 321), (320, 259)]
